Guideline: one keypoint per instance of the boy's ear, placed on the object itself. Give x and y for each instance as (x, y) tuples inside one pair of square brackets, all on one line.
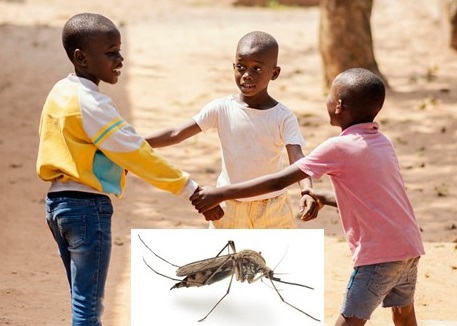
[(339, 106), (80, 58), (276, 72)]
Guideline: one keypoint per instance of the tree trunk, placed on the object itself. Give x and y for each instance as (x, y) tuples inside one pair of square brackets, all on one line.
[(345, 37), (453, 20)]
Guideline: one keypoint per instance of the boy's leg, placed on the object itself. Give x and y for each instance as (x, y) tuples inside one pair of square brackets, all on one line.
[(359, 303), (90, 257), (54, 207), (404, 316), (349, 321), (391, 283), (401, 297), (82, 229)]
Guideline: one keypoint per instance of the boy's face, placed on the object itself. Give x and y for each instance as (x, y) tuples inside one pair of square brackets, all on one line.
[(253, 69), (101, 59), (333, 105)]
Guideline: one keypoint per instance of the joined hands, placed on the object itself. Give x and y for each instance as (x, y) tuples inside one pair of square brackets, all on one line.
[(211, 212)]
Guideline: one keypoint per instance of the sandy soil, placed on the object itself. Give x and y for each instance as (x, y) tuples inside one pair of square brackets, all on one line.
[(178, 57)]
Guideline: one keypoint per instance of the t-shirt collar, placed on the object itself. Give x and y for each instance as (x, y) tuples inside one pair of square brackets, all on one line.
[(86, 82), (365, 128)]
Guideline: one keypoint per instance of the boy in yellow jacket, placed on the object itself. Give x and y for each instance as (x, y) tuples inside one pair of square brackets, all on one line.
[(85, 150)]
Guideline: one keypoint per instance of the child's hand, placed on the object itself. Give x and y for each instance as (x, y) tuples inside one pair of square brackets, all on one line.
[(214, 214), (322, 197), (309, 208), (211, 214), (205, 199)]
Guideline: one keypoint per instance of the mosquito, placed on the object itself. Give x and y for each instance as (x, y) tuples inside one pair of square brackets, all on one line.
[(246, 265)]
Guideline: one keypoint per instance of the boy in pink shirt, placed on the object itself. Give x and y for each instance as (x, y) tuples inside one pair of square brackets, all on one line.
[(377, 217)]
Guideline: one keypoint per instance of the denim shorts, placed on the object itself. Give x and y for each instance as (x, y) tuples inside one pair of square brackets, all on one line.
[(392, 284)]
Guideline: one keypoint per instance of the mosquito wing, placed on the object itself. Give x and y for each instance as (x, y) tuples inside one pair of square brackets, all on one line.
[(216, 264), (205, 272)]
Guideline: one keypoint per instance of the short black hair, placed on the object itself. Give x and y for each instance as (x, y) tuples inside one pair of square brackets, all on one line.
[(81, 28), (362, 89), (261, 40)]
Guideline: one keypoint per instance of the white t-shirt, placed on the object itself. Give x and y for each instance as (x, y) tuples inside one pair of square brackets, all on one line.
[(252, 141)]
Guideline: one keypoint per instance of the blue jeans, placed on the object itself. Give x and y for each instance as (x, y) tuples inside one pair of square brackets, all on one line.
[(81, 226)]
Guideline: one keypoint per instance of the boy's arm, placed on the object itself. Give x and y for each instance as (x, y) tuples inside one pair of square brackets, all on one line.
[(323, 197), (308, 205), (209, 197), (173, 136), (120, 148), (295, 153)]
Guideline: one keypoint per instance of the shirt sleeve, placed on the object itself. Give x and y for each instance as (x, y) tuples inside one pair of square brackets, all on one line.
[(118, 140), (292, 133), (207, 118), (188, 189), (324, 159)]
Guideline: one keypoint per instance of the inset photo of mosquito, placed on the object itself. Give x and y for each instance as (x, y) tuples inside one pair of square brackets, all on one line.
[(227, 277)]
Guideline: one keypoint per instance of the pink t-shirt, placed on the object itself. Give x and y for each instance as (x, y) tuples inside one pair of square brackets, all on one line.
[(377, 217)]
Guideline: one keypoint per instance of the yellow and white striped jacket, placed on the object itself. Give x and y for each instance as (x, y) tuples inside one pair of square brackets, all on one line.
[(84, 140)]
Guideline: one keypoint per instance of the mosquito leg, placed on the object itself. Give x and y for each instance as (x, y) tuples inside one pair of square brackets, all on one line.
[(282, 299), (152, 269), (230, 244), (290, 283), (228, 291)]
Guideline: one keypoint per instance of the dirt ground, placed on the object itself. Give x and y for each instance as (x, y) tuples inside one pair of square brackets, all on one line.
[(178, 56)]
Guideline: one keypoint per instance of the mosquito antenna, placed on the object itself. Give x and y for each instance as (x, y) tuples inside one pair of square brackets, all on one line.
[(277, 279), (282, 258), (156, 256)]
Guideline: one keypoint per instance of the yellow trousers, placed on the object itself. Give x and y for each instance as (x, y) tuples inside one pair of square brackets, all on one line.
[(272, 213)]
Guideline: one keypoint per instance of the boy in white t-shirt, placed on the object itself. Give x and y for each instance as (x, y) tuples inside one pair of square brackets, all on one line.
[(253, 129), (377, 217)]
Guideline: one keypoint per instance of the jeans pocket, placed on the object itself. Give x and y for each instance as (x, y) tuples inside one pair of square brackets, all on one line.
[(383, 277), (353, 276), (105, 209), (73, 229)]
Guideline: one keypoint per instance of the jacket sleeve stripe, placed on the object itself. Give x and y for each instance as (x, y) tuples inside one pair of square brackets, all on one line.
[(111, 127)]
